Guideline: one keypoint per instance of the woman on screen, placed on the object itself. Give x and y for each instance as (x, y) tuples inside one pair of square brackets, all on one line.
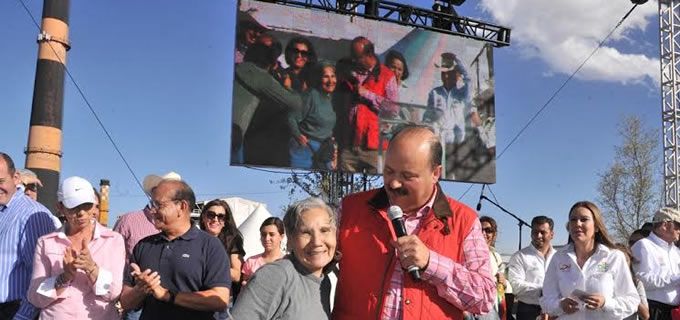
[(588, 278), (300, 57), (312, 144)]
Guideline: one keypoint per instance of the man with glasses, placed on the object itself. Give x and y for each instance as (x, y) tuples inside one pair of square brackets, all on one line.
[(181, 272), (136, 225), (22, 222), (371, 91), (659, 264), (526, 268)]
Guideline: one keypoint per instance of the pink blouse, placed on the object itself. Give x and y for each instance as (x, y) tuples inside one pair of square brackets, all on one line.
[(252, 264), (82, 299)]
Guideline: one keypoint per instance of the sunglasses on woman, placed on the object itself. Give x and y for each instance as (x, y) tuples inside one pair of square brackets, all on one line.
[(213, 215)]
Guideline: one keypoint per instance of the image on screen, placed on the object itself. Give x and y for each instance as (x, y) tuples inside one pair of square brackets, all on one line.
[(320, 90)]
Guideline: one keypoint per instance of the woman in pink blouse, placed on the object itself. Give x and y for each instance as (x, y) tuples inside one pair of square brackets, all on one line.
[(78, 270), (271, 234)]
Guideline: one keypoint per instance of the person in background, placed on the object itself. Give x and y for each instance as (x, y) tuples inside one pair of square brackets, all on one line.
[(300, 57), (396, 62), (247, 32), (589, 278), (312, 144), (22, 222), (636, 236), (526, 268), (181, 272), (271, 234), (30, 183), (78, 270), (658, 266), (444, 242), (217, 220), (293, 287), (137, 225), (490, 231), (642, 312), (371, 91)]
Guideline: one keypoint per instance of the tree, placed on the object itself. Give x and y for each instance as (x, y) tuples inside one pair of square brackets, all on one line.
[(329, 186), (628, 190)]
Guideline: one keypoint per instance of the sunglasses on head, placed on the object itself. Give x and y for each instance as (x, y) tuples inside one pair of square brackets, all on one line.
[(212, 215)]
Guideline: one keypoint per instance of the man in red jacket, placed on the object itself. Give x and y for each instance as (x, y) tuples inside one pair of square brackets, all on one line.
[(444, 241), (370, 91)]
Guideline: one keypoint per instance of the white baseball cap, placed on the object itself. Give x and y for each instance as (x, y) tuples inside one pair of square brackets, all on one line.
[(75, 191)]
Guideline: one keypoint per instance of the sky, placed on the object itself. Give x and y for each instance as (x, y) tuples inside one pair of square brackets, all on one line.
[(159, 75)]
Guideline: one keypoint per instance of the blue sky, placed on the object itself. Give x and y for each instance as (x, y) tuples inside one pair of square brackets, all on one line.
[(159, 76)]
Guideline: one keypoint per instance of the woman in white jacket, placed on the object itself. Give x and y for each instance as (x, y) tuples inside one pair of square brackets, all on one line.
[(588, 278)]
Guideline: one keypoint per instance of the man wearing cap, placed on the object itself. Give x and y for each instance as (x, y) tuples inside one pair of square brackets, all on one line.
[(136, 225), (659, 264), (181, 272), (22, 222), (449, 107)]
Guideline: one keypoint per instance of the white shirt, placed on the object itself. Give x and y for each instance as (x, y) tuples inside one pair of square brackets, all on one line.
[(452, 108), (659, 269), (526, 270), (606, 272)]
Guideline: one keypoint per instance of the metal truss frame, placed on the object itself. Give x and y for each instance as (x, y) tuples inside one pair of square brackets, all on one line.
[(411, 16), (669, 25)]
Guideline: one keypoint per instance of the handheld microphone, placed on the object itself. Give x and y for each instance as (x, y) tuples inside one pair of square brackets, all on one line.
[(397, 216)]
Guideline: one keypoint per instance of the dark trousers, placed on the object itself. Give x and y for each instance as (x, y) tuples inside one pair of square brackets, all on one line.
[(659, 310), (8, 309), (527, 311)]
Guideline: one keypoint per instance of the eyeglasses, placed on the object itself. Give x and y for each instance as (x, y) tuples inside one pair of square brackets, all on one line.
[(32, 187), (488, 230), (155, 205), (302, 53), (213, 215)]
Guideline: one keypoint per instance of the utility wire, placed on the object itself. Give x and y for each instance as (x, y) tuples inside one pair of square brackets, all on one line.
[(564, 84), (87, 102)]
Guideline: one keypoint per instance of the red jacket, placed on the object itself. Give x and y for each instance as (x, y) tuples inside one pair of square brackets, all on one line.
[(368, 259), (365, 122)]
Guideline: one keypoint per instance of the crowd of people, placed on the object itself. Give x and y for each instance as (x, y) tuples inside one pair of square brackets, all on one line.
[(156, 264), (292, 108)]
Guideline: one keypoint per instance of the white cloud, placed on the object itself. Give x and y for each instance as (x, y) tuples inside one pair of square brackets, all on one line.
[(564, 32)]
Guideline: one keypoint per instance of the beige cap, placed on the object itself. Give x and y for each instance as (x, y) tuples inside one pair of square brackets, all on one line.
[(667, 214), (152, 180)]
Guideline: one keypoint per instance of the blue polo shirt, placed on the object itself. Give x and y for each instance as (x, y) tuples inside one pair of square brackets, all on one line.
[(194, 261)]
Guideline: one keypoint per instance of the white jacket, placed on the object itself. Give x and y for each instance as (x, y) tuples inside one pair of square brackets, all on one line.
[(605, 272)]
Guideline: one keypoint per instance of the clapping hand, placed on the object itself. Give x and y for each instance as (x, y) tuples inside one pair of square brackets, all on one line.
[(148, 281), (83, 261), (70, 268), (593, 301)]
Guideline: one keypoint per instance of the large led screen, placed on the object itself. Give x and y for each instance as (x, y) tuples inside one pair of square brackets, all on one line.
[(325, 91)]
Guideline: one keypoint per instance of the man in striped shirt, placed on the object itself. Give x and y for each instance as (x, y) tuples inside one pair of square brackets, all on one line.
[(22, 222)]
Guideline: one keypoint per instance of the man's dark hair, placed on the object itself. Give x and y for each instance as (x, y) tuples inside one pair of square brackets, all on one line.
[(262, 55), (539, 220), (185, 193), (11, 169), (436, 151)]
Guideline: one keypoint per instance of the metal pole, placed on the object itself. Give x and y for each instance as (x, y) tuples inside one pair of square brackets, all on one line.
[(43, 151)]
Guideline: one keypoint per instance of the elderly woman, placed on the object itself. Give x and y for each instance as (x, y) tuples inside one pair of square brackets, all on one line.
[(291, 288), (312, 144), (217, 220), (78, 270), (588, 278)]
